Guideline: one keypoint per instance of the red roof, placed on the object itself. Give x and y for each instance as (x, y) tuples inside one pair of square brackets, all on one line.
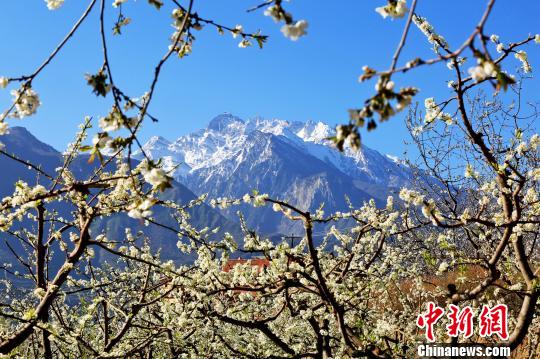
[(255, 262)]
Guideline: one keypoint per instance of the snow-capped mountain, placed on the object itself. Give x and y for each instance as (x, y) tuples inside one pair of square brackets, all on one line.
[(288, 160)]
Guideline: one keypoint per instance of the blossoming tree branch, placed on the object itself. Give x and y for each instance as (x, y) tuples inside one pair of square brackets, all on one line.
[(465, 232)]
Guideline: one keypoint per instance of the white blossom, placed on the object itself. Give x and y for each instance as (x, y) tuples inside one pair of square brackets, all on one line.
[(238, 29), (155, 177), (470, 172), (427, 29), (141, 209), (274, 13), (534, 141), (484, 70), (117, 3), (54, 4), (433, 112), (395, 10), (26, 102), (389, 203), (411, 196), (443, 267), (522, 56), (260, 200), (516, 287), (521, 147), (417, 130), (115, 120), (244, 43), (39, 292), (4, 128), (459, 60), (296, 30)]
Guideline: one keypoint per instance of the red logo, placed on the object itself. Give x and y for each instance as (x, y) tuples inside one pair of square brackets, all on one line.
[(494, 321), (429, 319), (460, 321)]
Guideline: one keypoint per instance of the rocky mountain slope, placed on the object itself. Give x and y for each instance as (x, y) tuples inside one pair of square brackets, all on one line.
[(293, 161)]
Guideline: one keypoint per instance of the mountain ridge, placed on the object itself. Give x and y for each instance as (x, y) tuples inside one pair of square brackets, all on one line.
[(24, 145), (311, 136), (293, 161)]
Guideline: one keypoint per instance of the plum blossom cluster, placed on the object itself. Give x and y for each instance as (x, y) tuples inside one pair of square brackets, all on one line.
[(223, 202), (15, 207), (4, 130), (255, 290), (381, 104), (522, 57), (54, 4), (484, 70), (4, 81), (500, 47), (428, 206), (154, 175), (117, 3), (141, 209), (296, 30), (116, 120), (255, 199), (89, 292), (181, 41), (395, 9), (427, 29), (470, 172), (26, 102), (291, 29), (433, 112)]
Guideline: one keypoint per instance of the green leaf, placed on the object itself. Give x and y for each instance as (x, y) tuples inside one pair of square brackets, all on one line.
[(121, 22), (95, 153), (503, 80), (261, 40), (92, 157), (86, 148)]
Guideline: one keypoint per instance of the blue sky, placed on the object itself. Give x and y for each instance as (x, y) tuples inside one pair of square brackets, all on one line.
[(314, 78)]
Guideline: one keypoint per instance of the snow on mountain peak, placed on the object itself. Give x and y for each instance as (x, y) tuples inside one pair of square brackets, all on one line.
[(227, 140), (157, 146), (158, 141), (293, 161), (317, 132), (221, 122), (274, 126)]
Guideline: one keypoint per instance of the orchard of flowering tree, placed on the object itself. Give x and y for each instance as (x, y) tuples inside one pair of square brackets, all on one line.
[(356, 283)]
